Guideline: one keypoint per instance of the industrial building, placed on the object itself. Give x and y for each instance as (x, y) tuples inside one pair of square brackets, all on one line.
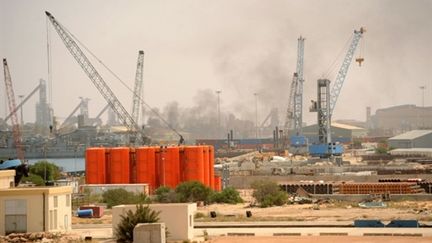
[(33, 209), (412, 139), (341, 133), (398, 119)]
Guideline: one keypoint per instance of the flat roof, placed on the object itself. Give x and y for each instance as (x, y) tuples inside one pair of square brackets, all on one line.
[(7, 173), (22, 191), (411, 135)]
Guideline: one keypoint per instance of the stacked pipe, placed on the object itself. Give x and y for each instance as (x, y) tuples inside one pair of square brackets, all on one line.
[(383, 187), (156, 166), (313, 188)]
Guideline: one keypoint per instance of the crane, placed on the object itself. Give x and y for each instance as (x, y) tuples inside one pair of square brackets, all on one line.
[(97, 80), (294, 116), (12, 107), (138, 87), (326, 101)]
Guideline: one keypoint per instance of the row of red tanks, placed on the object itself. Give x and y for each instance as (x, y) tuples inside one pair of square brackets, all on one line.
[(156, 166)]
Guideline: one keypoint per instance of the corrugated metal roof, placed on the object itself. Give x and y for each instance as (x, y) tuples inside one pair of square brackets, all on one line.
[(345, 126), (411, 134)]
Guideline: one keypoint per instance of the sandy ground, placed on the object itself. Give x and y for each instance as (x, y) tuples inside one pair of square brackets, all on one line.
[(328, 212), (320, 239), (336, 211)]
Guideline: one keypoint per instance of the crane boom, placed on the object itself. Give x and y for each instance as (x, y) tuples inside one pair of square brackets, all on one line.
[(290, 109), (340, 78), (138, 87), (96, 78), (12, 106), (298, 95), (22, 102)]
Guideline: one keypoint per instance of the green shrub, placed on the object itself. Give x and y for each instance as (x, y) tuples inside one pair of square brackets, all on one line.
[(227, 195), (165, 194), (120, 196), (33, 178), (192, 191), (45, 170), (268, 193), (124, 230)]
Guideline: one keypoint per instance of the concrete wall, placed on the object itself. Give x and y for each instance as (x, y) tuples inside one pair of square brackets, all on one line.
[(178, 218), (149, 233), (39, 204), (7, 179)]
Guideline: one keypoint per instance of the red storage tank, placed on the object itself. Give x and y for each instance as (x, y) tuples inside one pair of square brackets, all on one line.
[(218, 183), (119, 165), (211, 167), (193, 164), (95, 166), (145, 158), (206, 162), (168, 166)]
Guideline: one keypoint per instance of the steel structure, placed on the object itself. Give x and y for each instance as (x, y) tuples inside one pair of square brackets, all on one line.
[(22, 102), (326, 101), (290, 110), (294, 115), (138, 87), (298, 94), (82, 106), (97, 79), (12, 107)]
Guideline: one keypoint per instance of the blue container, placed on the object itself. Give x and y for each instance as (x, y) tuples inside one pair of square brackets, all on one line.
[(9, 164), (403, 224), (298, 141), (85, 213), (368, 223)]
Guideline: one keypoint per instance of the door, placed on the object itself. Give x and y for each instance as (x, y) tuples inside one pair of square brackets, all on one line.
[(15, 216)]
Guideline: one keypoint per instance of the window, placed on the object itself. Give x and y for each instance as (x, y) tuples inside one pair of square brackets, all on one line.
[(66, 222), (68, 200), (55, 201), (55, 218)]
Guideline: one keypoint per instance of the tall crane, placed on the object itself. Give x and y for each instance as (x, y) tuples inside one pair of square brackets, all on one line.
[(138, 87), (298, 95), (12, 107), (97, 80), (326, 101), (294, 115)]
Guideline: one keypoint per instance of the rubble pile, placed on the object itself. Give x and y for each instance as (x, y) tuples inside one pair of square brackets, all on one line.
[(39, 237)]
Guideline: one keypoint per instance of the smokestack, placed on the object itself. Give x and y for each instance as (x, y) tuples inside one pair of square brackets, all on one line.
[(368, 116)]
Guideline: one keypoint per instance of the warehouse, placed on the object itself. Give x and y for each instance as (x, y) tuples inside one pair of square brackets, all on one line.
[(412, 139), (342, 133)]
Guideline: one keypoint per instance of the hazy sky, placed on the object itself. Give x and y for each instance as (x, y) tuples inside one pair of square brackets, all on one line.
[(238, 47)]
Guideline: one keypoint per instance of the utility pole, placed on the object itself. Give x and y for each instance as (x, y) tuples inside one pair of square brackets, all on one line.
[(256, 114), (422, 113), (218, 110)]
